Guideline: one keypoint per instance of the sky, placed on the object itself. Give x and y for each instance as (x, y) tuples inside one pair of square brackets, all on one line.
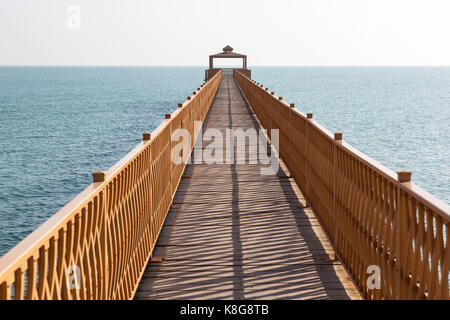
[(185, 32)]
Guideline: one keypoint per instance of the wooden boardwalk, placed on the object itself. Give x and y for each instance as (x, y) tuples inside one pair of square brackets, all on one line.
[(235, 234)]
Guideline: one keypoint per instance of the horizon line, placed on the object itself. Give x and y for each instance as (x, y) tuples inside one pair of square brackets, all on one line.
[(206, 67)]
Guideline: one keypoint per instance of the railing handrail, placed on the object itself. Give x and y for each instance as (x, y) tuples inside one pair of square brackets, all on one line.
[(14, 258)]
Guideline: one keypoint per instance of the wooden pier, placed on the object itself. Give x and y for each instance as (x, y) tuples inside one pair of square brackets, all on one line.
[(330, 223), (234, 234)]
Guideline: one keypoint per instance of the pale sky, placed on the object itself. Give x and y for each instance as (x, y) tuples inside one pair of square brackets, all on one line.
[(177, 32)]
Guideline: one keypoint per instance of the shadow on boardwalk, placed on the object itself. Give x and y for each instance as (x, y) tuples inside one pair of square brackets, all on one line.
[(235, 234)]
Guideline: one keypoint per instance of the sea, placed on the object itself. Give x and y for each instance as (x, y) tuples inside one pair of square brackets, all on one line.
[(60, 124)]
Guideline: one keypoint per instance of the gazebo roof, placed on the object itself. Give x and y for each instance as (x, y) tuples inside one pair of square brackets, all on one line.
[(228, 53), (227, 49)]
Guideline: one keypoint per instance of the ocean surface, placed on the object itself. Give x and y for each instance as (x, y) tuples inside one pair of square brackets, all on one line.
[(59, 124)]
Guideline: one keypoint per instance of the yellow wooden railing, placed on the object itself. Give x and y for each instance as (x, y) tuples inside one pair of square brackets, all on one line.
[(110, 229), (372, 216)]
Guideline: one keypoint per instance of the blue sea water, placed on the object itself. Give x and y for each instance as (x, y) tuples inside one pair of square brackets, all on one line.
[(59, 124), (399, 116)]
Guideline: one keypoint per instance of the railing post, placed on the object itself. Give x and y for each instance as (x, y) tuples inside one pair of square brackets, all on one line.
[(288, 156), (309, 117), (338, 136), (146, 136), (404, 178), (98, 176), (150, 234), (338, 140), (104, 245), (182, 150), (5, 291), (168, 117)]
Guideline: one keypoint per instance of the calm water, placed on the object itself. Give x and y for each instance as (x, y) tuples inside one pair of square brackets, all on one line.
[(398, 116), (57, 125)]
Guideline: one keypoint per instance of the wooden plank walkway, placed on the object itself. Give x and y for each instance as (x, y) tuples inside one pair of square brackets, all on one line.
[(235, 234)]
